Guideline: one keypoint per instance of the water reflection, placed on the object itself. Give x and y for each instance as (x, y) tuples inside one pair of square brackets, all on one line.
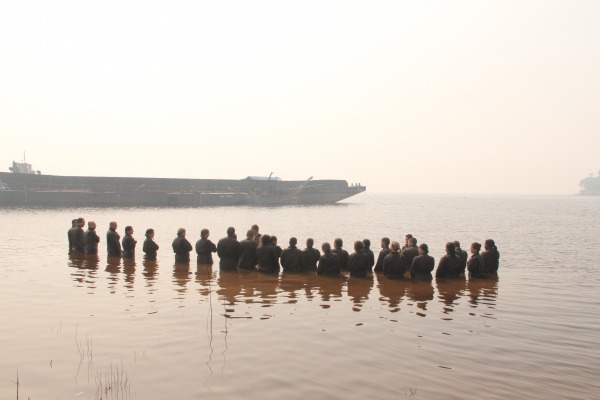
[(391, 291), (228, 286), (358, 291), (251, 287), (330, 288), (294, 286), (420, 292), (129, 271), (113, 267), (482, 291), (85, 269), (449, 291), (181, 277), (150, 273)]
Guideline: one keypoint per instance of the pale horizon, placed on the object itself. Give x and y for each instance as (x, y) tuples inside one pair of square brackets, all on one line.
[(404, 97)]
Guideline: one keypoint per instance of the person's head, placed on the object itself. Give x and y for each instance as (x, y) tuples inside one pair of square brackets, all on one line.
[(150, 233), (412, 242), (338, 243), (128, 230), (366, 244), (265, 240), (326, 247), (74, 222), (490, 245), (407, 237), (423, 249), (310, 243), (475, 247), (181, 232), (395, 247), (358, 245), (274, 239), (80, 222), (112, 225), (92, 225), (450, 249), (204, 233), (231, 231), (254, 228), (250, 234), (293, 241), (456, 244), (385, 242)]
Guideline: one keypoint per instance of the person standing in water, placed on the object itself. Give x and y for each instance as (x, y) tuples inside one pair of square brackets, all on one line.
[(247, 259), (181, 247), (204, 248), (449, 265), (491, 258), (91, 239), (385, 250), (129, 243), (311, 255), (150, 247), (329, 263), (341, 253), (358, 262), (475, 263), (113, 240), (228, 250), (422, 265)]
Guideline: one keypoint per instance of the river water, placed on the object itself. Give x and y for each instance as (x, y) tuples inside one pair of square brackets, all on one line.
[(90, 329)]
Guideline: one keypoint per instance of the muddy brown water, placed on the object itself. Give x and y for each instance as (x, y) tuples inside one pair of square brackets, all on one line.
[(89, 328)]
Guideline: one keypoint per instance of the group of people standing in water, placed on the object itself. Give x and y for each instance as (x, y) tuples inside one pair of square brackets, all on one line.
[(261, 252)]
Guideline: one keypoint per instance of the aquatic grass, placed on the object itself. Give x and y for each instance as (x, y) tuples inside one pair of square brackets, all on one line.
[(113, 383)]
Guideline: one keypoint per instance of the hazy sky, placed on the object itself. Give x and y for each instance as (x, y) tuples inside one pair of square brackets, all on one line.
[(402, 96)]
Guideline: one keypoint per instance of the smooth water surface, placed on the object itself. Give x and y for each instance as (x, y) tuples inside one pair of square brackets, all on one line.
[(88, 328)]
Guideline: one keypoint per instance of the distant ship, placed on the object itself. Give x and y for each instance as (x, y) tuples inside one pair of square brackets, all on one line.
[(590, 186), (26, 187)]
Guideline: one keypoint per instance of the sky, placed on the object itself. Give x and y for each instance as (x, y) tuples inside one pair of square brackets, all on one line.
[(482, 97)]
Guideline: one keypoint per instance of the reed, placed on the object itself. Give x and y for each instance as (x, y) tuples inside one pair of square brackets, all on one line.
[(113, 383)]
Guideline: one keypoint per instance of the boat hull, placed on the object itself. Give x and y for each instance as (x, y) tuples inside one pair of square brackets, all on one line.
[(74, 191)]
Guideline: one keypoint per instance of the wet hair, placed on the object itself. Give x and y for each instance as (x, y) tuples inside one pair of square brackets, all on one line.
[(204, 232), (386, 240), (230, 231), (128, 228), (451, 249), (265, 240), (476, 245), (180, 231), (338, 242), (149, 231), (424, 247), (366, 243), (326, 247), (293, 241), (358, 245), (250, 234), (395, 246), (412, 241), (310, 242)]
